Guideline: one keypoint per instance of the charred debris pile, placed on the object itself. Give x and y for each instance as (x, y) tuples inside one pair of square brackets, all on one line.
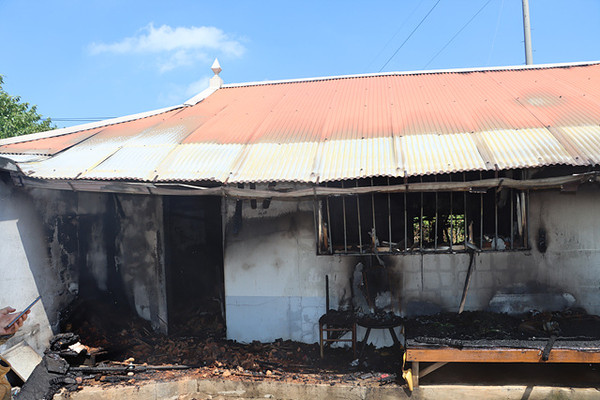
[(568, 325), (107, 344)]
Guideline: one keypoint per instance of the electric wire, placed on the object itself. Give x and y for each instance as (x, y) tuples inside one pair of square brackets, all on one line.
[(495, 32), (410, 35), (80, 119), (457, 33), (395, 34)]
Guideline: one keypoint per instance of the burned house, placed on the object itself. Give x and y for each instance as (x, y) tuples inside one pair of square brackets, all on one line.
[(242, 201)]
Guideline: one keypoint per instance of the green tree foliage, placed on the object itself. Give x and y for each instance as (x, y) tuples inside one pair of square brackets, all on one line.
[(17, 118)]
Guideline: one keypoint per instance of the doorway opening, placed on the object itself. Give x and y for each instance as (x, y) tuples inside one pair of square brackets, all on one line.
[(194, 266)]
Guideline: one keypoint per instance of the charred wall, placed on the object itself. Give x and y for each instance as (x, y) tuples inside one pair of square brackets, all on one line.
[(66, 245), (139, 256), (275, 282)]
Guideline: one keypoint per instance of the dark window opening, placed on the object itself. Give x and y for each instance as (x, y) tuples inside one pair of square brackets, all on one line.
[(493, 219)]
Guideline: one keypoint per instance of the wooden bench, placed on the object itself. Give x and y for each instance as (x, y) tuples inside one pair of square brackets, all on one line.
[(441, 356)]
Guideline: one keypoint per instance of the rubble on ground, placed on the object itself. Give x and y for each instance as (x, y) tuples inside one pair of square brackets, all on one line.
[(108, 345)]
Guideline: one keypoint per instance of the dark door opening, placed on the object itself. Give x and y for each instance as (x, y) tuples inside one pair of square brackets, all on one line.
[(194, 266)]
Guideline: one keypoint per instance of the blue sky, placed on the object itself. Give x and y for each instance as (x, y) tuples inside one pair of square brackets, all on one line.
[(80, 59)]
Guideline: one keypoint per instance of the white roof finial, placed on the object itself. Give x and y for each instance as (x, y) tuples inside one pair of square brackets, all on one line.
[(216, 81), (216, 67)]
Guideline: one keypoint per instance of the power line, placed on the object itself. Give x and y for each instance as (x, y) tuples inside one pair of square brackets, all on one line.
[(82, 119), (457, 33), (409, 36), (395, 34), (495, 33)]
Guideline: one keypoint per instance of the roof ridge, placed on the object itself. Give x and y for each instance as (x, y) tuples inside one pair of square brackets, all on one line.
[(415, 72)]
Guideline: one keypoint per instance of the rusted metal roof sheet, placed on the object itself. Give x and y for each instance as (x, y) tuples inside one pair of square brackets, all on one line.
[(199, 161), (342, 128)]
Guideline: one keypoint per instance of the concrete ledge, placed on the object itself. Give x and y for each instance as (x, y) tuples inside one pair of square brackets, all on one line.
[(191, 388)]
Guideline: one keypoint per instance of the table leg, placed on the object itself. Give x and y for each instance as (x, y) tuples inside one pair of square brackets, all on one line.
[(415, 374), (364, 343), (395, 339), (354, 339), (321, 338)]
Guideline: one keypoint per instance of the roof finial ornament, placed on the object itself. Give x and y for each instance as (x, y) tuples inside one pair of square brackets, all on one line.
[(216, 81), (216, 67)]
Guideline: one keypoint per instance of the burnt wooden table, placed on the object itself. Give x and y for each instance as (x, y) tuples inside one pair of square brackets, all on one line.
[(390, 324), (498, 352)]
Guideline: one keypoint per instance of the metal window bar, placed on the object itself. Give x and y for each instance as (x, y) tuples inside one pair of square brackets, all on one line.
[(435, 245), (525, 206), (466, 232), (329, 230), (526, 219), (373, 207), (405, 222), (480, 216), (360, 244), (512, 220), (345, 228), (451, 238), (495, 239), (389, 207), (421, 223), (316, 222)]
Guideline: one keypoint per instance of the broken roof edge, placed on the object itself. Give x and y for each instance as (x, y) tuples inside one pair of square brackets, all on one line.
[(7, 164), (200, 96), (84, 127), (309, 191), (415, 72)]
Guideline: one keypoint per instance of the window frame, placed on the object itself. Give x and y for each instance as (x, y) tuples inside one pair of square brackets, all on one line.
[(519, 204)]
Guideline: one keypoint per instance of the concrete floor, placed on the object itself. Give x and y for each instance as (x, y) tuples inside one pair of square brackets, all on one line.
[(453, 382)]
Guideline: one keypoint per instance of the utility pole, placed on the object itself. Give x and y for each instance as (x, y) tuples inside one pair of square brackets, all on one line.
[(527, 32)]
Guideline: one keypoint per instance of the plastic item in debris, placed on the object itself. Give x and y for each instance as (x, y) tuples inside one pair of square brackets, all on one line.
[(354, 363), (498, 244), (23, 359)]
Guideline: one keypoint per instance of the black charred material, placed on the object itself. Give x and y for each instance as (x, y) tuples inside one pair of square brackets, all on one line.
[(542, 243), (127, 368), (47, 379), (237, 217), (379, 320), (55, 364), (572, 324), (469, 325), (63, 340), (338, 318), (459, 344), (548, 348)]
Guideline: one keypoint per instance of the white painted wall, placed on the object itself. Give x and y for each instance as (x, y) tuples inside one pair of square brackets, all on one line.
[(26, 270), (275, 282)]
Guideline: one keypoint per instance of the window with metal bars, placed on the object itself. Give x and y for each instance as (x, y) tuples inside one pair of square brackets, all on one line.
[(433, 221)]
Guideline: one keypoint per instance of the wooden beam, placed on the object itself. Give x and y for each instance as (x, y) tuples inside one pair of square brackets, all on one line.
[(501, 355), (431, 368)]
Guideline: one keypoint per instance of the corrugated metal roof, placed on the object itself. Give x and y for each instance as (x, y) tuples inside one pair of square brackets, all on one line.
[(342, 128)]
